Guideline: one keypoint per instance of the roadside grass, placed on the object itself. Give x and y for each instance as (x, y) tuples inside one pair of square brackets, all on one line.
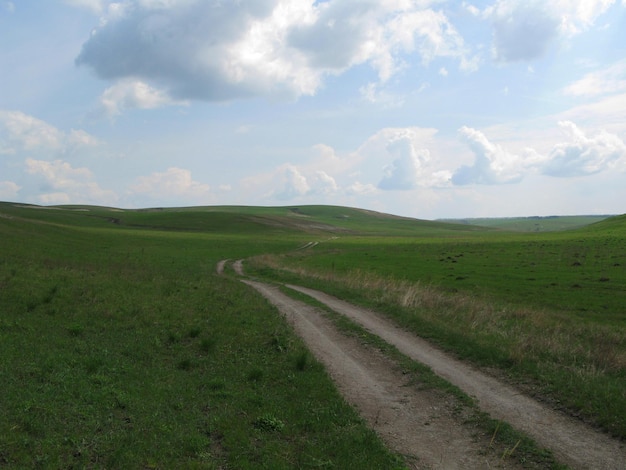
[(574, 359), (505, 442), (122, 349)]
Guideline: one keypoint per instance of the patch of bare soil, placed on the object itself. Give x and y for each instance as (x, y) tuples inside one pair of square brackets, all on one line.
[(420, 424), (238, 267), (219, 269)]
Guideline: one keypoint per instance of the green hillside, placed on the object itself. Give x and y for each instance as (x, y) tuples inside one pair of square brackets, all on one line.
[(533, 224), (238, 219)]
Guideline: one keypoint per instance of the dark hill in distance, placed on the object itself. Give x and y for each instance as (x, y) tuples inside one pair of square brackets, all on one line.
[(239, 220), (249, 220)]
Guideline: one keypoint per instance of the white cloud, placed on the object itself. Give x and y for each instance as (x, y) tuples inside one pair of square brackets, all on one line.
[(404, 156), (226, 50), (8, 6), (8, 190), (133, 94), (20, 132), (405, 171), (323, 184), (492, 165), (293, 184), (172, 184), (584, 155), (609, 80), (359, 189), (579, 156), (525, 29), (64, 184), (471, 9)]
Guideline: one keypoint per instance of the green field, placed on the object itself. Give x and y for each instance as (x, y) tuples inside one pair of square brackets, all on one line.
[(533, 224), (122, 348)]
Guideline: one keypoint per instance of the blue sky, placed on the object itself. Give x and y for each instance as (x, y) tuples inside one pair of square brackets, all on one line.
[(428, 109)]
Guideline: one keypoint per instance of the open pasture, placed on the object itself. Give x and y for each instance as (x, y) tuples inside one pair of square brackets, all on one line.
[(578, 273), (546, 310), (121, 348)]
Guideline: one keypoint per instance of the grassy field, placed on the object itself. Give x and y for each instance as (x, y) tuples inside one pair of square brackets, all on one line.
[(546, 310), (122, 348), (534, 224)]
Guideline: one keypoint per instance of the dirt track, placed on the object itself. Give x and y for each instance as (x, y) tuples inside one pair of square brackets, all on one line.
[(420, 424)]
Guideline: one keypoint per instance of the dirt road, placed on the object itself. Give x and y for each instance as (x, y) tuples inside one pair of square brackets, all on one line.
[(572, 442), (420, 424)]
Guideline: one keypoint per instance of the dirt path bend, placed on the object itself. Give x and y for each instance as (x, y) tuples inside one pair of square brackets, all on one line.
[(220, 266), (238, 267), (572, 442), (419, 424)]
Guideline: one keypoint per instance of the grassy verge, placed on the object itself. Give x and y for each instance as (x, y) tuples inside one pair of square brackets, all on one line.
[(577, 366), (122, 349)]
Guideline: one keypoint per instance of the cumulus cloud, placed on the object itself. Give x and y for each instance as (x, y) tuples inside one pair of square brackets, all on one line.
[(359, 189), (583, 155), (172, 184), (20, 132), (601, 82), (524, 29), (405, 170), (133, 94), (294, 184), (405, 159), (323, 184), (492, 165), (63, 184), (225, 50), (580, 155), (8, 190)]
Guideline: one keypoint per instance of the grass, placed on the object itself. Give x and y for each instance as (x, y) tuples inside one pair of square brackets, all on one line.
[(474, 297), (122, 349)]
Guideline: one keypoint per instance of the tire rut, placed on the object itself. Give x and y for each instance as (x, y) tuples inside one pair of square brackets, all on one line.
[(422, 425), (571, 441)]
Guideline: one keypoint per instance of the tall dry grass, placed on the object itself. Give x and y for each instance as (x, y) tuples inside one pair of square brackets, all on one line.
[(520, 334)]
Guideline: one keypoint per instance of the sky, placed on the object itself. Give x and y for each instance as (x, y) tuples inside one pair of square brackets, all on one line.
[(421, 108)]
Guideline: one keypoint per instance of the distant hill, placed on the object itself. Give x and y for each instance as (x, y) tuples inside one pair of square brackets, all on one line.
[(533, 224), (238, 219), (284, 220)]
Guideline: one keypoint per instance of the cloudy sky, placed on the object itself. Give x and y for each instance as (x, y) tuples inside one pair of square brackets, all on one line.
[(424, 108)]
